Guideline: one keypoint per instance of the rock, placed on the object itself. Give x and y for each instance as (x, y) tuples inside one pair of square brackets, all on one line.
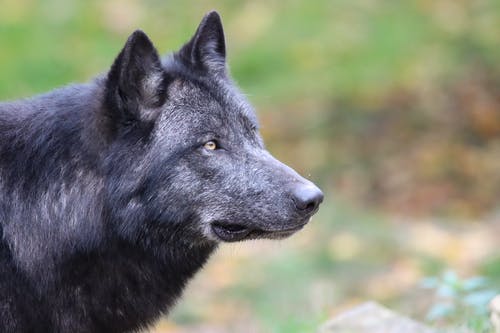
[(495, 313), (371, 317)]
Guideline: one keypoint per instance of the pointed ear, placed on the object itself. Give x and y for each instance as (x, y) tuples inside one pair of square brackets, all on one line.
[(207, 48), (136, 84)]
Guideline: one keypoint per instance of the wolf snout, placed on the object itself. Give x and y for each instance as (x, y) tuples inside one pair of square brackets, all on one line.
[(307, 198)]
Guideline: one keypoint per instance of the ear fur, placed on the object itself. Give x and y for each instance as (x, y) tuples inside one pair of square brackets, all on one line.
[(206, 50), (136, 84)]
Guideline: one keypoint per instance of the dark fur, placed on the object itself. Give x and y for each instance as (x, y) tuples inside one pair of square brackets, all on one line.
[(109, 201)]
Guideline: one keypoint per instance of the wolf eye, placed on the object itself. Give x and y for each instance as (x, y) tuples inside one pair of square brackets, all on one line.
[(211, 145)]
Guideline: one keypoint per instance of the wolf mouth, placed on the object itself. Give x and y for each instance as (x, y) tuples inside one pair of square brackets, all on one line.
[(233, 232)]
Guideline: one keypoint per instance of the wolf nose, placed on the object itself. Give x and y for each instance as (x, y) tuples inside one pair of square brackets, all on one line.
[(307, 198)]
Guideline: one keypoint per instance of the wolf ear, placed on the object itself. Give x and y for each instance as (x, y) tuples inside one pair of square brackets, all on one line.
[(136, 84), (207, 48)]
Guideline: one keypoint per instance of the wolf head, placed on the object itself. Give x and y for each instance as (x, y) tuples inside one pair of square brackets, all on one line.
[(187, 154)]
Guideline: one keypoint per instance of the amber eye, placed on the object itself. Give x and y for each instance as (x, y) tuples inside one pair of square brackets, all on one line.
[(210, 145)]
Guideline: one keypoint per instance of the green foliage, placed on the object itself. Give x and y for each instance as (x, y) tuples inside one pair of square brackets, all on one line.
[(456, 299), (491, 268)]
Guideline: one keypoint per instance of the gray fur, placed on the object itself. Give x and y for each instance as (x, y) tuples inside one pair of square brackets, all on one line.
[(109, 200)]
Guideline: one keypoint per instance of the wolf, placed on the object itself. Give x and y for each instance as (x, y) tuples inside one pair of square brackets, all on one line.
[(114, 193)]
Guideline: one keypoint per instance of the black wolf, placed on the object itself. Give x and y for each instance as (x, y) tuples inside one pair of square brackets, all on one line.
[(114, 193)]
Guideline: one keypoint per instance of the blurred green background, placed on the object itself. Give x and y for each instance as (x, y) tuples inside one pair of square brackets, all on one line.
[(392, 107)]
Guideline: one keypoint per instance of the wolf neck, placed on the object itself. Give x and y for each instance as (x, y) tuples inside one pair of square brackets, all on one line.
[(132, 285)]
